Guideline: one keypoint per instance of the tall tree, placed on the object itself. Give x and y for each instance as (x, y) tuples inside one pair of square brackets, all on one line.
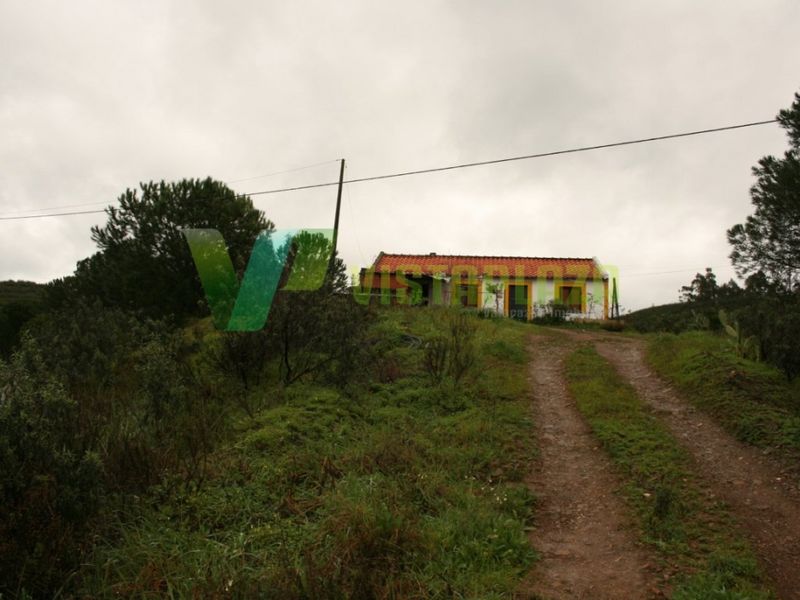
[(702, 287), (144, 263), (769, 240)]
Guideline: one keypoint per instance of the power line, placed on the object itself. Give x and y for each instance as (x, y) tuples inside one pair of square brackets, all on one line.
[(45, 208), (525, 157), (327, 162), (63, 214), (457, 166), (229, 181), (665, 272)]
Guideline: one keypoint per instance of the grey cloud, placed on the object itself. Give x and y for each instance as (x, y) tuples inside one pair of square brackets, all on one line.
[(95, 97)]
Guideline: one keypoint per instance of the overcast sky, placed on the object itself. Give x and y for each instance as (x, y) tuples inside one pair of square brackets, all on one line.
[(98, 96)]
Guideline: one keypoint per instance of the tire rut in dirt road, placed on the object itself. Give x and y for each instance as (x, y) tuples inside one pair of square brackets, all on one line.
[(586, 544), (755, 488)]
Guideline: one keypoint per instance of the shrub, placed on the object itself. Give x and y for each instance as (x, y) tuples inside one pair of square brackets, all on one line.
[(242, 357), (462, 344), (52, 484), (454, 354), (436, 354), (13, 317), (317, 334)]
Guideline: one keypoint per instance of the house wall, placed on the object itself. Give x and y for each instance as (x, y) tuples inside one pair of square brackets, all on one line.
[(543, 291)]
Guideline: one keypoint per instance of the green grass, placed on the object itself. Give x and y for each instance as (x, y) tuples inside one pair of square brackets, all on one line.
[(753, 401), (403, 488), (692, 533)]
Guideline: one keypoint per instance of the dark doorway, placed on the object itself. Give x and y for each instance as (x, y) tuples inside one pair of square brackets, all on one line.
[(518, 302)]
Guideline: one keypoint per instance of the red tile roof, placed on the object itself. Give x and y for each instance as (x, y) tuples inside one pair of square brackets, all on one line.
[(433, 264)]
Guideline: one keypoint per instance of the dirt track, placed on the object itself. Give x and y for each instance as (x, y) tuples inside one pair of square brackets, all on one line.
[(587, 547), (761, 496)]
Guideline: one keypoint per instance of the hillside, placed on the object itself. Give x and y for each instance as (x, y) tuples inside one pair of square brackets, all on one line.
[(24, 292)]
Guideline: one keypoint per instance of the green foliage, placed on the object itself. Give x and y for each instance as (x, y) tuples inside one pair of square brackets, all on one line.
[(13, 318), (775, 320), (685, 316), (689, 530), (144, 263), (52, 484), (751, 400), (86, 345), (765, 325), (20, 301), (454, 353), (700, 321), (379, 493), (702, 287), (462, 347), (317, 334), (243, 358), (746, 346), (769, 240)]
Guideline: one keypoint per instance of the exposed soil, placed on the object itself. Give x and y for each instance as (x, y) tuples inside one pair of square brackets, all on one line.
[(586, 542), (762, 497)]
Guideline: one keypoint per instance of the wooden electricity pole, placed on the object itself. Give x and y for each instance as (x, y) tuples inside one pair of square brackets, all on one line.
[(332, 265), (338, 207), (614, 300)]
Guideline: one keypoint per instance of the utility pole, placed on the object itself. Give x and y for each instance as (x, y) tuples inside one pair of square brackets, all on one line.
[(338, 207), (336, 222)]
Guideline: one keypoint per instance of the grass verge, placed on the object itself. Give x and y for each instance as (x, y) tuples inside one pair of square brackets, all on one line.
[(691, 531), (753, 401)]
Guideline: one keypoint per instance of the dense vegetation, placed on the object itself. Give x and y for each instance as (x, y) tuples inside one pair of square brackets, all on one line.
[(143, 263), (20, 301), (150, 467), (401, 484), (342, 451)]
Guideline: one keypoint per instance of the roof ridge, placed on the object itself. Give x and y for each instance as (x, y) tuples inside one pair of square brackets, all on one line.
[(437, 255)]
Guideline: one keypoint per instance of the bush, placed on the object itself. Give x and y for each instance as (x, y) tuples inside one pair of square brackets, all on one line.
[(52, 484), (13, 318), (775, 321), (455, 354), (242, 357), (317, 334)]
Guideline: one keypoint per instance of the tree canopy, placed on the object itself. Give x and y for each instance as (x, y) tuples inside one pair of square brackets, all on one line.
[(144, 263), (769, 240)]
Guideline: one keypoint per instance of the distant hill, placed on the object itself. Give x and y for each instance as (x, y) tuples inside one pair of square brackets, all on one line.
[(681, 316), (24, 292)]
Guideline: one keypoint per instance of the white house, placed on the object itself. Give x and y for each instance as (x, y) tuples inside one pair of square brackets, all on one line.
[(515, 286)]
